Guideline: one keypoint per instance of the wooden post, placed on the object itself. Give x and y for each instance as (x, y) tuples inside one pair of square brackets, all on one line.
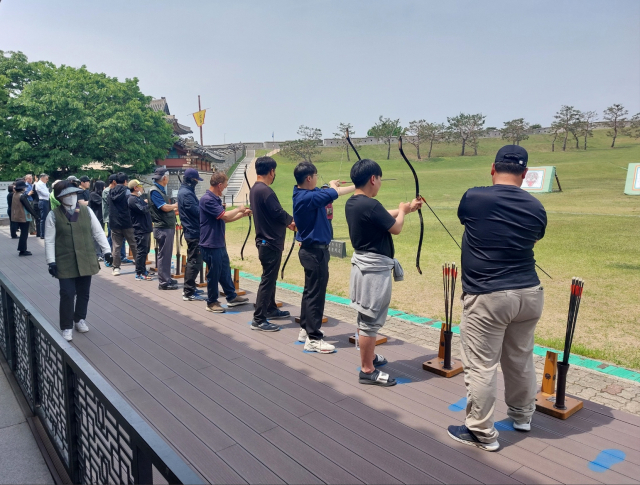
[(236, 283), (180, 260), (436, 364), (203, 271), (546, 398), (380, 339)]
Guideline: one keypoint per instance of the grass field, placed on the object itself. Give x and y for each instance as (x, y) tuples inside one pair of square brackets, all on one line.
[(593, 232)]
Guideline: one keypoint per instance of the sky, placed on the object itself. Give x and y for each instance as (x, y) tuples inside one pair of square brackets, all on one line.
[(266, 67)]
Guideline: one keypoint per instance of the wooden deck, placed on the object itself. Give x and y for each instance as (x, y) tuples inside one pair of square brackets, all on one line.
[(244, 406)]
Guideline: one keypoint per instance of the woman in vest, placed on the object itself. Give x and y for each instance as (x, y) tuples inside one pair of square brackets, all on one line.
[(71, 231), (22, 213)]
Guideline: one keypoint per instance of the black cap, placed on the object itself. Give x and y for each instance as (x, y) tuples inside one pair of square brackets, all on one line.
[(112, 178), (512, 154), (84, 178), (159, 172), (20, 184)]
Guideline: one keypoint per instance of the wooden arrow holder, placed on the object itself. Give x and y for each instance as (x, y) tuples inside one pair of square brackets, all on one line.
[(324, 319), (547, 397), (437, 364), (380, 339), (236, 283)]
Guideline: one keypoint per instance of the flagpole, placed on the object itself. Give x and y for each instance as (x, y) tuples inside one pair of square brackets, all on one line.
[(200, 109)]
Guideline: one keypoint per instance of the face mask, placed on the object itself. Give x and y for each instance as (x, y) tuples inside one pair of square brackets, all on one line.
[(69, 201)]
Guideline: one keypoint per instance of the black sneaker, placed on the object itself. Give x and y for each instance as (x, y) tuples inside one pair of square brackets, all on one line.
[(24, 253), (264, 327), (462, 434), (167, 287), (278, 314), (174, 282)]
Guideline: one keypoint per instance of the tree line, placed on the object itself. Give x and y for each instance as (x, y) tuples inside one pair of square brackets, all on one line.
[(59, 119), (466, 130)]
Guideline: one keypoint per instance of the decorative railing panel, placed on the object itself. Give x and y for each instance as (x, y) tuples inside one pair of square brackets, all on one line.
[(95, 432)]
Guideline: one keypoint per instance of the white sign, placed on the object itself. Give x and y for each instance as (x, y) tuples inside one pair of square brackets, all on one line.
[(3, 199)]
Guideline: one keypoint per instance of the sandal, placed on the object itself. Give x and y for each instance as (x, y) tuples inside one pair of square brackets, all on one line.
[(377, 378), (379, 361)]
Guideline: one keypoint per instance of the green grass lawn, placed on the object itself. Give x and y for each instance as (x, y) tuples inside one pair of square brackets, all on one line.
[(593, 232)]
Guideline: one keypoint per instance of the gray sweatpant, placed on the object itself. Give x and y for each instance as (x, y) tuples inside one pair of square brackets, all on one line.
[(499, 328), (164, 238)]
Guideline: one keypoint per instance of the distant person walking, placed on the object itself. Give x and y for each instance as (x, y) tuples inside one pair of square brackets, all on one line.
[(213, 220), (271, 222), (164, 227), (44, 206), (84, 183), (72, 230), (142, 227), (95, 201), (120, 221), (373, 265), (189, 210), (502, 298), (314, 234), (22, 214), (13, 226)]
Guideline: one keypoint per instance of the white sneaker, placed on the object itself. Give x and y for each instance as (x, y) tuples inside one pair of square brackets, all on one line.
[(522, 426), (67, 335), (81, 326), (116, 272), (302, 336), (319, 346)]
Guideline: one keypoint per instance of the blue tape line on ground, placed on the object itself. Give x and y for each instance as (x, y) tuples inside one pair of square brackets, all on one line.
[(423, 321), (461, 405), (403, 380), (606, 459), (297, 342), (504, 425)]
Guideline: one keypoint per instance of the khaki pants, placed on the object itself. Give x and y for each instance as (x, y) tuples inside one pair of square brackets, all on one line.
[(498, 328)]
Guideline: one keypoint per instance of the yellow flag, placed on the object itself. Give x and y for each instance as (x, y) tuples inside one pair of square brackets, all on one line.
[(199, 117)]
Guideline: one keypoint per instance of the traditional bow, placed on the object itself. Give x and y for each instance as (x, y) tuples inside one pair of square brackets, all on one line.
[(293, 243), (249, 231), (352, 147)]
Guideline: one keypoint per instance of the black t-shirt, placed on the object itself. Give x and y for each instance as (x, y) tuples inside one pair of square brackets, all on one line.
[(269, 218), (501, 225), (84, 195), (369, 223)]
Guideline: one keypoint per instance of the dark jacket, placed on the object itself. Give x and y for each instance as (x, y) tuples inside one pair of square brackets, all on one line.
[(9, 201), (95, 204), (189, 210), (140, 217), (119, 217)]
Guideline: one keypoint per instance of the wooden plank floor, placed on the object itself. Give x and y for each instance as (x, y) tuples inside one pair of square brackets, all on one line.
[(248, 407)]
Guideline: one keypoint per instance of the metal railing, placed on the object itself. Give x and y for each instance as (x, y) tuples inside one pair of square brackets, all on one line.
[(97, 435)]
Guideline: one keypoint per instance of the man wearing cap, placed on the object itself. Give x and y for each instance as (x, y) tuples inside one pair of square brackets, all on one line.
[(72, 231), (84, 183), (111, 183), (120, 221), (22, 214), (142, 227), (43, 201), (190, 219), (164, 226), (502, 298)]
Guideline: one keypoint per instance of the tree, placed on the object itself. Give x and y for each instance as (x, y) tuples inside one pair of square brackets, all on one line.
[(386, 129), (417, 131), (555, 131), (565, 119), (587, 123), (634, 130), (68, 118), (615, 117), (515, 131), (434, 133), (305, 147), (535, 126), (341, 136), (466, 129)]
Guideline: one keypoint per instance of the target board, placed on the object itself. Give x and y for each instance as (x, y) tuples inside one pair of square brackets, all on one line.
[(632, 187), (539, 179)]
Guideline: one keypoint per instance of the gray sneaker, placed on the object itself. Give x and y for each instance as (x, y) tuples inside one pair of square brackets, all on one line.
[(265, 327), (215, 307), (238, 300)]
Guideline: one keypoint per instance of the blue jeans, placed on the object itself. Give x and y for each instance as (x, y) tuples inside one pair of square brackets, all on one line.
[(45, 208), (218, 271), (123, 255)]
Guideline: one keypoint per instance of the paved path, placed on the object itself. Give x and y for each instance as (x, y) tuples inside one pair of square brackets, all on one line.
[(242, 406), (20, 457)]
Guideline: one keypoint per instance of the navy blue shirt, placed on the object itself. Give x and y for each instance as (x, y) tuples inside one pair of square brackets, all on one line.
[(310, 214), (212, 227), (501, 225)]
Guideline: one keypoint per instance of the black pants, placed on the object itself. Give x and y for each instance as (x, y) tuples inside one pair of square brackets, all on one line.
[(143, 245), (24, 234), (194, 264), (270, 259), (315, 262), (13, 227), (73, 311)]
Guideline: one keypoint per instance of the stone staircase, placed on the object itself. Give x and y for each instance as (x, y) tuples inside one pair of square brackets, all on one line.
[(236, 181)]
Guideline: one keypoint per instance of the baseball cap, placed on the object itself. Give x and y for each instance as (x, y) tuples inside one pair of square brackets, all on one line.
[(159, 172), (512, 154), (73, 178), (133, 184), (112, 178), (84, 178), (20, 185), (192, 173)]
